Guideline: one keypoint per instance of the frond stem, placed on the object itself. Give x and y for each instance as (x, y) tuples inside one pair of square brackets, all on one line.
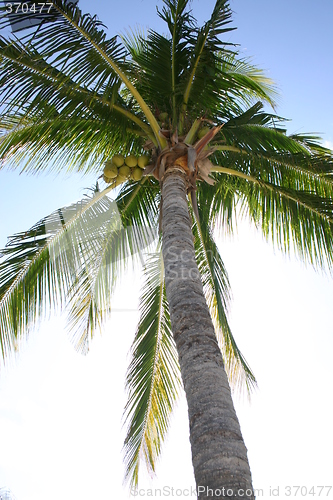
[(156, 353), (95, 97), (137, 96), (189, 86), (230, 171), (64, 228)]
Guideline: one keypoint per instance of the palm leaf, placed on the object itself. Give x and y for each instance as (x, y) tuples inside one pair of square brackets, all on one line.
[(179, 22), (220, 79), (90, 294), (75, 124), (294, 219), (217, 292), (45, 84), (89, 297), (39, 266), (75, 253), (153, 377), (71, 144), (94, 62), (295, 213), (247, 82), (206, 44)]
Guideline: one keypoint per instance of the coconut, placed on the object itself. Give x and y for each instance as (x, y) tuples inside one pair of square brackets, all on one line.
[(110, 170), (124, 171), (143, 161), (118, 160), (131, 161), (137, 174), (120, 179), (203, 131), (108, 180)]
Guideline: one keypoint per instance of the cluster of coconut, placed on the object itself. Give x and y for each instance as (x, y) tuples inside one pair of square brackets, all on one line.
[(119, 169)]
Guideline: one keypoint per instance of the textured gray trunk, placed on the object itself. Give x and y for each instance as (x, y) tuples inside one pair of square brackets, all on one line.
[(219, 454)]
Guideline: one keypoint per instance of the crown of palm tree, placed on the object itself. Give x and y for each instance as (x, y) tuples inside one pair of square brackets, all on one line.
[(72, 99)]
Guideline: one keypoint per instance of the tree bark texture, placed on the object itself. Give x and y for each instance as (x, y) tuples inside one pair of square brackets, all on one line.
[(219, 454)]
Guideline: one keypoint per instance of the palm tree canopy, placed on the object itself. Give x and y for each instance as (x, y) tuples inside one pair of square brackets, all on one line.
[(72, 99)]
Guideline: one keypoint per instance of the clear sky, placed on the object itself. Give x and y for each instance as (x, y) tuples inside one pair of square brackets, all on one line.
[(60, 413)]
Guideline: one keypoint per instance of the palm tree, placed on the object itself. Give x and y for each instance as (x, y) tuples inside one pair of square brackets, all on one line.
[(74, 99)]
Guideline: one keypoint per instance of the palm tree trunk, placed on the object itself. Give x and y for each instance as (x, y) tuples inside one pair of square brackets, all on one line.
[(219, 454)]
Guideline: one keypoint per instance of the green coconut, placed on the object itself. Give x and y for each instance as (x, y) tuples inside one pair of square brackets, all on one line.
[(110, 170), (120, 179), (124, 171), (143, 161), (203, 131), (131, 161), (108, 180), (137, 174), (118, 160)]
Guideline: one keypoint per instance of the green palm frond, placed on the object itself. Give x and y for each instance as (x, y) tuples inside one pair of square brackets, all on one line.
[(205, 44), (38, 266), (159, 61), (302, 220), (90, 294), (89, 297), (292, 207), (75, 254), (152, 68), (255, 145), (70, 144), (222, 200), (247, 82), (214, 82), (179, 22), (75, 125), (95, 67), (87, 66), (217, 291), (153, 377)]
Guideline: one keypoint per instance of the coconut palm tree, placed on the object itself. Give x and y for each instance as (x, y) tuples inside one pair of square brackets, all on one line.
[(192, 111)]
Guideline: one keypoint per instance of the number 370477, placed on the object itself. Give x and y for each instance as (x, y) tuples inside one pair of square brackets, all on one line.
[(36, 8)]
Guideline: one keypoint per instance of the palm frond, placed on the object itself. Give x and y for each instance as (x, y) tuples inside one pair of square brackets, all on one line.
[(74, 124), (294, 211), (205, 45), (247, 82), (153, 377), (39, 266), (179, 23), (90, 294), (294, 219), (46, 86), (72, 257), (89, 297), (72, 144), (217, 292), (152, 69), (95, 62)]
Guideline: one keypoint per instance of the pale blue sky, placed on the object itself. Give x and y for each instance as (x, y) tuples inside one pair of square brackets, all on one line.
[(59, 421)]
